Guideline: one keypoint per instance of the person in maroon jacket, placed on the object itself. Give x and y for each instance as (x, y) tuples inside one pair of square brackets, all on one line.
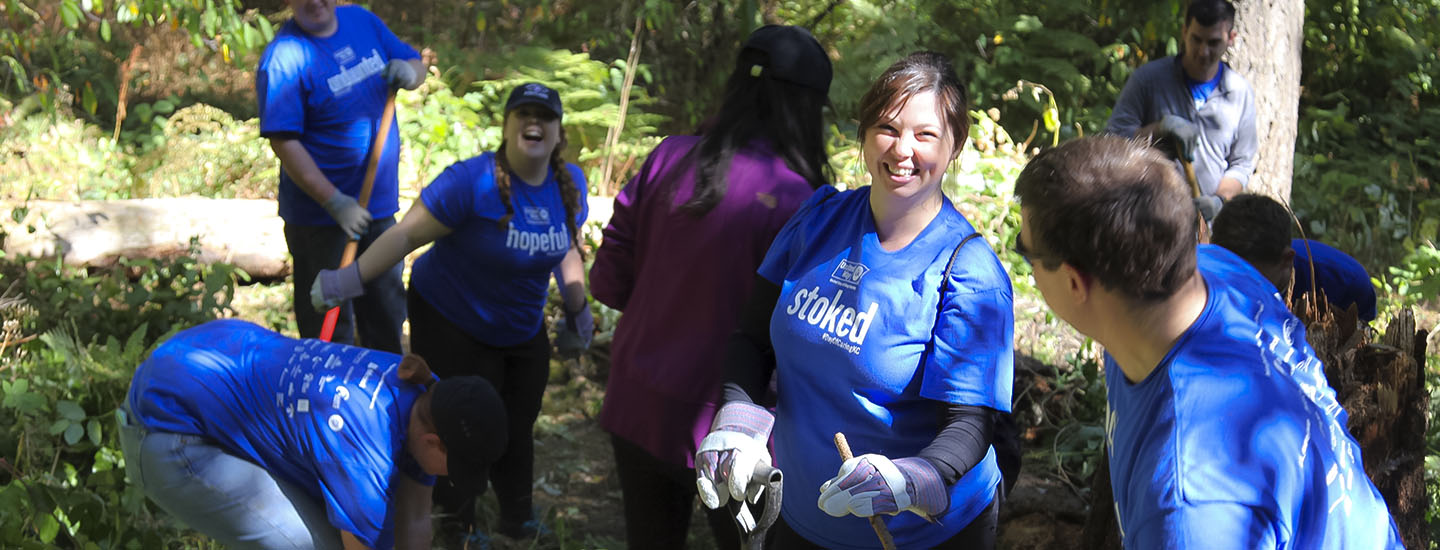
[(679, 258)]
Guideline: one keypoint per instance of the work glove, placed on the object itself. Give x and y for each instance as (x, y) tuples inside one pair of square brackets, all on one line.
[(575, 336), (352, 218), (1209, 206), (333, 287), (1185, 134), (728, 455), (873, 484), (399, 73)]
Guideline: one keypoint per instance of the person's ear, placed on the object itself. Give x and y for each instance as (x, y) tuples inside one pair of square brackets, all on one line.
[(437, 456), (1077, 282), (1288, 256), (414, 369)]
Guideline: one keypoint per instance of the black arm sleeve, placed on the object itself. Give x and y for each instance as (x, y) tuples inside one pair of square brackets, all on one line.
[(749, 357), (965, 434)]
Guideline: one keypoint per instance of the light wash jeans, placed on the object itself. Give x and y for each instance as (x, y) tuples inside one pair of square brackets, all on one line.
[(228, 498)]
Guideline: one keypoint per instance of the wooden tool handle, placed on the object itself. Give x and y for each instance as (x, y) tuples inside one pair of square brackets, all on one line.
[(879, 526), (377, 148)]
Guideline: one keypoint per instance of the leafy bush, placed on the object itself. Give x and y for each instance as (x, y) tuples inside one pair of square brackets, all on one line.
[(64, 483), (148, 296)]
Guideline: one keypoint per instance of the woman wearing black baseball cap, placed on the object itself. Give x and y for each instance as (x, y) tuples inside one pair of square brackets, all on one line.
[(502, 224)]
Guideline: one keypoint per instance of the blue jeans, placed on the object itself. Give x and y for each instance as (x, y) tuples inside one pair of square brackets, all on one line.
[(228, 498), (378, 314)]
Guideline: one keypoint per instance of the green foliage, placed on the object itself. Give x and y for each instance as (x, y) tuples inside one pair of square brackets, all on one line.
[(63, 481), (1365, 153), (95, 305), (67, 52), (459, 118), (202, 150)]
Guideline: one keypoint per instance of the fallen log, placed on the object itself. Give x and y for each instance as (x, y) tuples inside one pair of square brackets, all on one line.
[(244, 232)]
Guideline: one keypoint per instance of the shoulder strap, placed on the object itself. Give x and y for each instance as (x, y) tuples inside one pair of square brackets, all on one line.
[(940, 303), (945, 278)]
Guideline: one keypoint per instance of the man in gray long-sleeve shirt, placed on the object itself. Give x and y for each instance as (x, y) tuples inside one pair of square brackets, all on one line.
[(1198, 101)]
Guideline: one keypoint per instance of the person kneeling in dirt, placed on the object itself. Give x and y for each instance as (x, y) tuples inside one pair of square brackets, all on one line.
[(1222, 429), (1257, 228), (262, 441)]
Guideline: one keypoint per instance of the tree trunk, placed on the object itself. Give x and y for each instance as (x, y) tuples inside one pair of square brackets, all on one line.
[(1269, 35)]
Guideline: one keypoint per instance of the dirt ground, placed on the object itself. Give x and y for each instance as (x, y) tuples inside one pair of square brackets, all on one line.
[(579, 495)]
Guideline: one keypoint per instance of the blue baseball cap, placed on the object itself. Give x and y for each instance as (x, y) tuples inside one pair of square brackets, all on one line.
[(535, 93)]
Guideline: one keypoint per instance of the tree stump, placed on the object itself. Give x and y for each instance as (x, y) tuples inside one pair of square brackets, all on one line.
[(1382, 387)]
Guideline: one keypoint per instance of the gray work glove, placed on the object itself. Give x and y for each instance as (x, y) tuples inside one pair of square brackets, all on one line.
[(400, 73), (1185, 134), (333, 287), (575, 337), (352, 218), (1209, 206)]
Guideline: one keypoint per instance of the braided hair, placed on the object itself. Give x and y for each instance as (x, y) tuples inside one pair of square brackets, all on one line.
[(569, 195)]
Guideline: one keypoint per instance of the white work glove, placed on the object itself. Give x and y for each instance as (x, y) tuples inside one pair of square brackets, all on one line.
[(873, 484), (400, 73), (728, 455), (333, 287), (352, 218)]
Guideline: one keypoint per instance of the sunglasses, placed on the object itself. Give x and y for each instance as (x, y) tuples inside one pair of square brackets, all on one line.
[(1022, 250)]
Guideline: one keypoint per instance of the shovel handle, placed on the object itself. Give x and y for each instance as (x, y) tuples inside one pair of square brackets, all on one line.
[(1204, 228), (332, 317), (886, 541)]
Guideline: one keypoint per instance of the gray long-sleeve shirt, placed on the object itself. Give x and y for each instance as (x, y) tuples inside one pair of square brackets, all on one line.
[(1226, 121)]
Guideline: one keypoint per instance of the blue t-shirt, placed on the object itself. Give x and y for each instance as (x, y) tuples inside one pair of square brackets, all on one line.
[(854, 353), (1236, 439), (1200, 91), (492, 281), (328, 418), (1343, 280), (329, 94)]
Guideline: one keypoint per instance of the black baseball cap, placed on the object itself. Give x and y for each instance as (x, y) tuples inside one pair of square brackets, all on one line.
[(470, 420), (535, 93), (795, 56)]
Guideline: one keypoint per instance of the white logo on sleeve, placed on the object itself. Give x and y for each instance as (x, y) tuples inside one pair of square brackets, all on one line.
[(848, 274)]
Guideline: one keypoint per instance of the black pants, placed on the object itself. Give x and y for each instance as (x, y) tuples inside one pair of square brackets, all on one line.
[(378, 314), (659, 497), (519, 374), (979, 535)]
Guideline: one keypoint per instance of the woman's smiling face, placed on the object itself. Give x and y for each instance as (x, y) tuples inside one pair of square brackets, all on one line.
[(533, 131), (908, 149)]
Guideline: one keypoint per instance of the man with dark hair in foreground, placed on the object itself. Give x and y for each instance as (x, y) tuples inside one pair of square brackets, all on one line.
[(1222, 430)]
